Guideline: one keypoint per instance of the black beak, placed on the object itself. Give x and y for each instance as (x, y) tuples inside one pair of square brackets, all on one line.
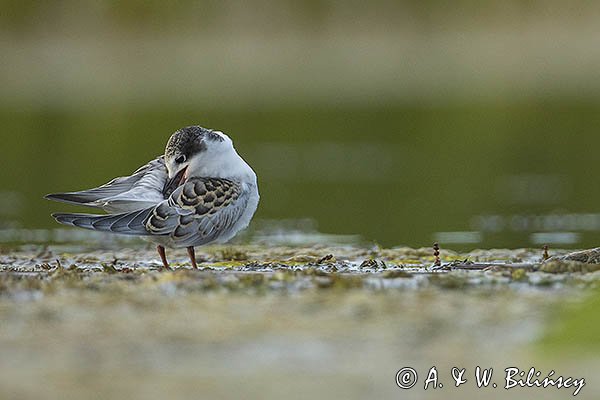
[(174, 182)]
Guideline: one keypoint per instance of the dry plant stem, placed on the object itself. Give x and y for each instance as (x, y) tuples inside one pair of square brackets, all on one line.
[(545, 256), (436, 254)]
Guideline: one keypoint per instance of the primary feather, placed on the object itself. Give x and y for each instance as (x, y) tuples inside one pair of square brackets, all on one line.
[(140, 190)]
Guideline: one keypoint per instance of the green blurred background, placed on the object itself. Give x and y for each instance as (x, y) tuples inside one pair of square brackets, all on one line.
[(472, 123)]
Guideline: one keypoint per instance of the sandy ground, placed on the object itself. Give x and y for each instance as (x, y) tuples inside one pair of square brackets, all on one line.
[(284, 322)]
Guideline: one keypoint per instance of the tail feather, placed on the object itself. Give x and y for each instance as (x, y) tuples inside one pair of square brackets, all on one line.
[(131, 223)]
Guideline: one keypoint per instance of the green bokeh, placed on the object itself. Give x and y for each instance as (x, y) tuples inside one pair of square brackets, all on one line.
[(394, 173)]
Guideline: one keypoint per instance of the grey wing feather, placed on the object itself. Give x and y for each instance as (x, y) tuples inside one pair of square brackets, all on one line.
[(131, 223), (140, 190), (201, 211)]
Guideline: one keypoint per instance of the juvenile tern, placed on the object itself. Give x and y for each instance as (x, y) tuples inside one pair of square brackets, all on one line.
[(200, 191)]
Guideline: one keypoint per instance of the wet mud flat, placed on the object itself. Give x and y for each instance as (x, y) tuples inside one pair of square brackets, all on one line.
[(272, 322)]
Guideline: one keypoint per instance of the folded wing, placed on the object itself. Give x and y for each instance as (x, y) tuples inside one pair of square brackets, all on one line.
[(198, 212), (142, 189)]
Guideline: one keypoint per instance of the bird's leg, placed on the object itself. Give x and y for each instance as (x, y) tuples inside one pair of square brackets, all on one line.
[(192, 255), (163, 256)]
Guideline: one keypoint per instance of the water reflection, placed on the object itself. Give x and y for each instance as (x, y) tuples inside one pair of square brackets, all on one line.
[(301, 232), (536, 222), (461, 237), (558, 238)]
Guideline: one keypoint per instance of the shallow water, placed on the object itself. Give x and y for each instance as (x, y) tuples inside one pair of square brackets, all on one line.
[(481, 174)]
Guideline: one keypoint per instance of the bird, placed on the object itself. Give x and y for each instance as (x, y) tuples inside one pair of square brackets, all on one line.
[(199, 192)]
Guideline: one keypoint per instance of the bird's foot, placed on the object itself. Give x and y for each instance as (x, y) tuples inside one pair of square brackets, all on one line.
[(163, 258), (192, 255)]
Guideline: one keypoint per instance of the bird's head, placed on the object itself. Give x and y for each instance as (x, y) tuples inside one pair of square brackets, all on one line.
[(191, 147)]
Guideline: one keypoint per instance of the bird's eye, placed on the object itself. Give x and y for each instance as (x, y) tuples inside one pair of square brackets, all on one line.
[(180, 159)]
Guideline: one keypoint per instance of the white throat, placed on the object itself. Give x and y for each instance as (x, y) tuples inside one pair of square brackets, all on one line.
[(225, 164)]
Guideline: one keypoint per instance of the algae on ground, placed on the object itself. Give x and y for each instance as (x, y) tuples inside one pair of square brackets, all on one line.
[(109, 321)]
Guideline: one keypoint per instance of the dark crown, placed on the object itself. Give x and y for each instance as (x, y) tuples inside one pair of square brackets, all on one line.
[(190, 140)]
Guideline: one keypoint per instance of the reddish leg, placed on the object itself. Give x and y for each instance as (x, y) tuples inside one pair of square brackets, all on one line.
[(192, 255), (163, 256)]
